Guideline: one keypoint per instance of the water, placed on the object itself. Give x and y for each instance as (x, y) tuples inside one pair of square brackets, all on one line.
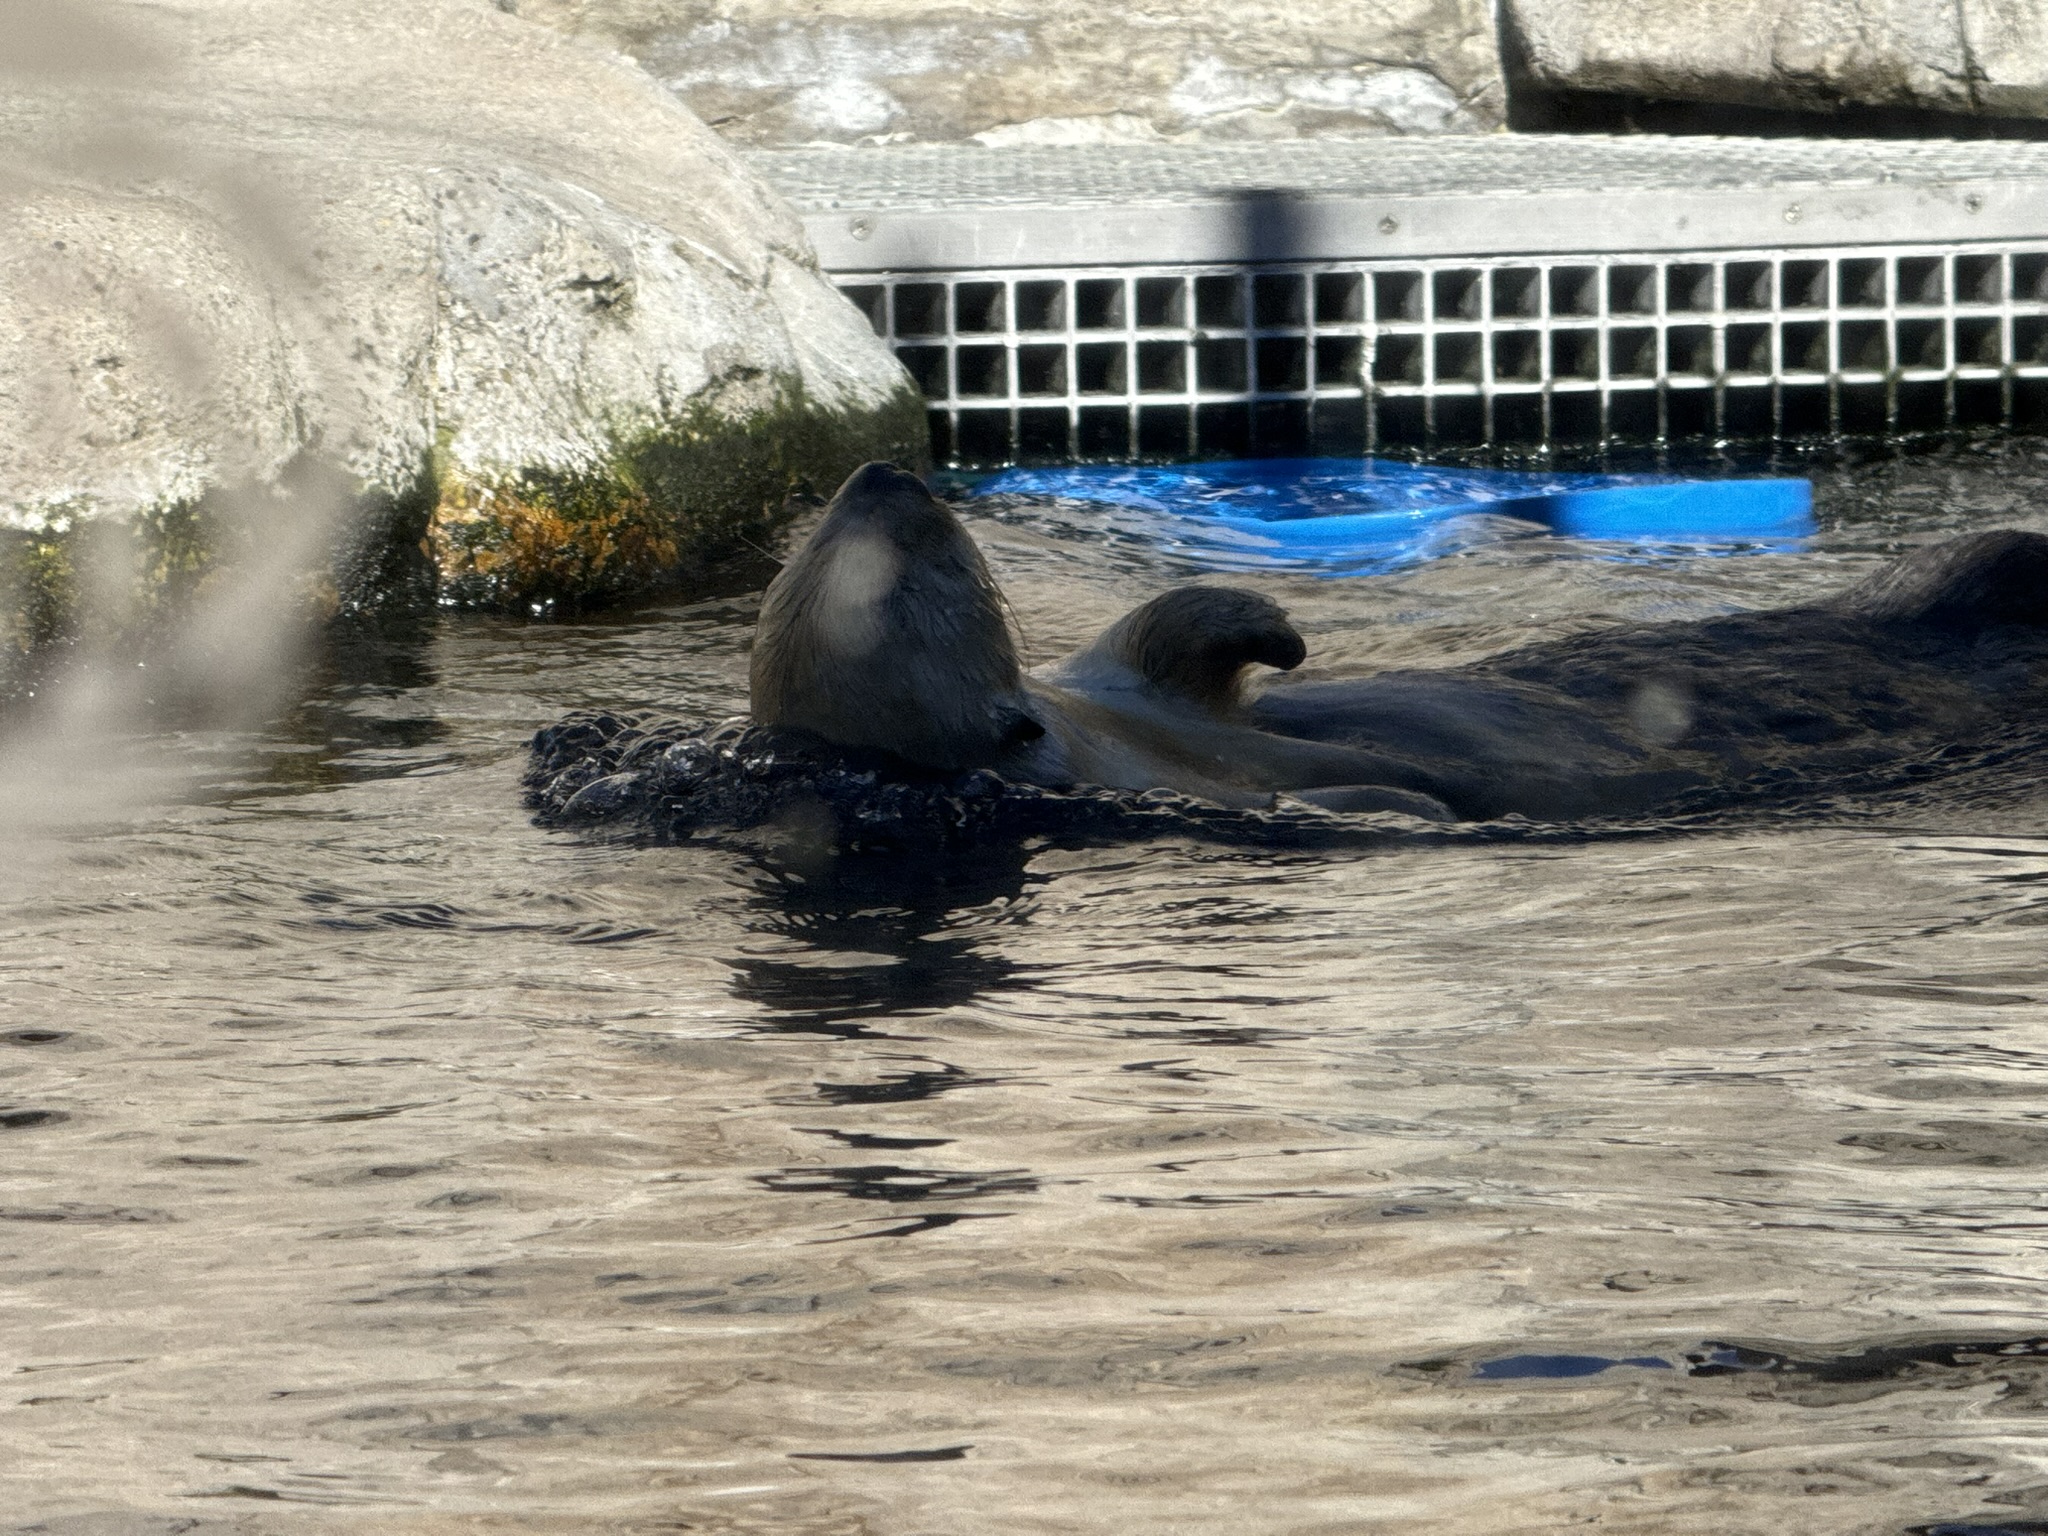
[(1367, 517), (376, 1161)]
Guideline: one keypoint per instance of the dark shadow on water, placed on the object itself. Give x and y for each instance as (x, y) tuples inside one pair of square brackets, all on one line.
[(896, 1184), (913, 1086), (1881, 1362), (905, 917)]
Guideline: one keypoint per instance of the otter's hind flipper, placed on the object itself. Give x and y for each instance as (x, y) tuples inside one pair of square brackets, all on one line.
[(1972, 582), (1195, 642)]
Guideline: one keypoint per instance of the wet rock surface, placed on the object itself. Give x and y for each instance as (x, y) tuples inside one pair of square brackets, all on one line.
[(766, 73), (641, 775)]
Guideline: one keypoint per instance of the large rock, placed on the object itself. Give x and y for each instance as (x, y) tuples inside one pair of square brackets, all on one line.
[(490, 280), (780, 72), (1979, 57)]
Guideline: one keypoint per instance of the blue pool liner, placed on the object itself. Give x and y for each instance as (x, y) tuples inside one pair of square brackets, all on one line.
[(1348, 516)]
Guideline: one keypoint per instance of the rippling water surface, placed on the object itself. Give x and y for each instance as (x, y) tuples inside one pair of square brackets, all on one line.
[(373, 1160)]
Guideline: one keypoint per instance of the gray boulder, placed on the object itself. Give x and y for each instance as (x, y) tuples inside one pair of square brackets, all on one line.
[(1979, 57), (779, 72), (323, 256)]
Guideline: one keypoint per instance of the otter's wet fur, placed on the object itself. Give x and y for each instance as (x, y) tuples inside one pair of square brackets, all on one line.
[(886, 633)]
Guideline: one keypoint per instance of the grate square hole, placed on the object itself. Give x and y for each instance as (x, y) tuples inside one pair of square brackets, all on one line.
[(940, 429), (1921, 344), (1689, 413), (1099, 304), (1162, 367), (1401, 422), (1980, 342), (978, 308), (1980, 402), (1340, 298), (1632, 290), (981, 372), (1042, 370), (1164, 431), (1922, 280), (1517, 293), (1162, 301), (1397, 296), (1397, 360), (1282, 363), (1099, 368), (1219, 301), (1746, 412), (1223, 428), (1103, 432), (2030, 404), (1575, 291), (1280, 426), (920, 309), (1042, 305), (1337, 427), (1632, 415), (1922, 405), (1689, 349), (1689, 288), (1575, 417), (1457, 295), (1575, 354), (2030, 340), (984, 437), (1632, 354), (1747, 285), (1859, 282), (1042, 433), (872, 300), (1863, 347), (1980, 280), (1803, 344), (1803, 285), (1219, 366), (1518, 418), (1860, 410), (1279, 299), (927, 365), (1340, 360), (1803, 410), (1518, 356), (1459, 420), (1749, 349), (2030, 277), (1458, 357)]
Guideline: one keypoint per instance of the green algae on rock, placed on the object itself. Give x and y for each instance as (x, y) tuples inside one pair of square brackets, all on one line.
[(671, 500)]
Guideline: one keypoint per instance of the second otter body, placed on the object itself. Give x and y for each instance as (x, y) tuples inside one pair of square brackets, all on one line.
[(886, 633)]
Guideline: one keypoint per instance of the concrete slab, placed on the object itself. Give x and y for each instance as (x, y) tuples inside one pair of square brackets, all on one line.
[(956, 207)]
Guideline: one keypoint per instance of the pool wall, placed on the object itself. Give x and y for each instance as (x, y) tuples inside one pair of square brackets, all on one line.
[(1516, 292)]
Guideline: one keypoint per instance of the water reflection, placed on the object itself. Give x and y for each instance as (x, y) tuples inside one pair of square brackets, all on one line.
[(877, 936)]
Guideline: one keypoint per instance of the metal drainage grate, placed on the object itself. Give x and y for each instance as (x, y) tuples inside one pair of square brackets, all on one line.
[(1108, 363)]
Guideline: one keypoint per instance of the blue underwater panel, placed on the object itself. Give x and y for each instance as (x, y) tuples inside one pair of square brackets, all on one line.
[(1353, 516)]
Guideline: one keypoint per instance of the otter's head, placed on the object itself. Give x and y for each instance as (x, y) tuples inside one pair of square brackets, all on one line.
[(885, 632)]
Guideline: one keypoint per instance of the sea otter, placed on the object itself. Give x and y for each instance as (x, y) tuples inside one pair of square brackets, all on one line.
[(885, 633)]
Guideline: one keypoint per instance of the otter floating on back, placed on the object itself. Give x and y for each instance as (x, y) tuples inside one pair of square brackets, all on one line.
[(886, 634)]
